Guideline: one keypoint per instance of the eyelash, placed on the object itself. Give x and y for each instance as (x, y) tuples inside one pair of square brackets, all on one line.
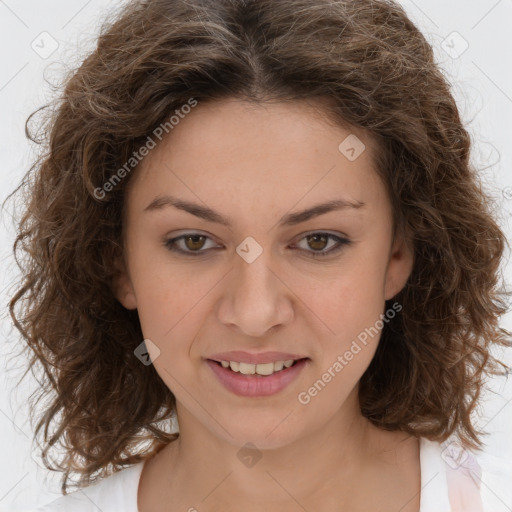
[(342, 242)]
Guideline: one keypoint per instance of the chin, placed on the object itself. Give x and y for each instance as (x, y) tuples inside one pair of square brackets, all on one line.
[(271, 434)]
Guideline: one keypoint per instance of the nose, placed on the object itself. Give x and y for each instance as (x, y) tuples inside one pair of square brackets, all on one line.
[(256, 298)]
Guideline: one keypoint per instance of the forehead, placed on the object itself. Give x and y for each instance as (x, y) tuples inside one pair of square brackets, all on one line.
[(271, 152)]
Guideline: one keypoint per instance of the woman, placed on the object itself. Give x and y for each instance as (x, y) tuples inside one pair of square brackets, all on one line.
[(260, 218)]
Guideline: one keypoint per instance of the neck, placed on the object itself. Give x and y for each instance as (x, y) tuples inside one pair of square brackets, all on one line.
[(320, 470)]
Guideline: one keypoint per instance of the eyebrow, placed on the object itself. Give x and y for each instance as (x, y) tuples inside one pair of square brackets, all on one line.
[(290, 219)]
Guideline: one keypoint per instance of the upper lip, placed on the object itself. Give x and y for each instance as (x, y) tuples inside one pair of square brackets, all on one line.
[(255, 358)]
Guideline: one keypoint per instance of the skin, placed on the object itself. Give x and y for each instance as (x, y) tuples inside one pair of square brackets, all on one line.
[(254, 164)]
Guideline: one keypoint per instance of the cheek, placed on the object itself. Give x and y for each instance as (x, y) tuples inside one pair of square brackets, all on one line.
[(350, 310), (162, 300), (169, 318), (347, 299)]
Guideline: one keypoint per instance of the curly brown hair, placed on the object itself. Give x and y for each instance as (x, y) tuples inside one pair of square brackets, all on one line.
[(378, 73)]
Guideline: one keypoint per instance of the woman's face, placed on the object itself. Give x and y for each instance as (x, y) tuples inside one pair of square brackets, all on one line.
[(263, 270)]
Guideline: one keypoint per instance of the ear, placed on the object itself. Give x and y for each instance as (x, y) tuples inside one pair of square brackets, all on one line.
[(122, 286), (400, 265)]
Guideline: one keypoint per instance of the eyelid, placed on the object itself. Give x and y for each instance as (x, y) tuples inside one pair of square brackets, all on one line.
[(340, 239), (171, 241)]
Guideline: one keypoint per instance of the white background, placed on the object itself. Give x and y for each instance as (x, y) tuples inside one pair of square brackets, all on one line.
[(482, 83)]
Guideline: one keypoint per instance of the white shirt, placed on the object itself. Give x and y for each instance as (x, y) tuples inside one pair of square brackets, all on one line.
[(451, 481)]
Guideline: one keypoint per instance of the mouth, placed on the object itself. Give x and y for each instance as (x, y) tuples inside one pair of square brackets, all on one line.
[(261, 369), (257, 380)]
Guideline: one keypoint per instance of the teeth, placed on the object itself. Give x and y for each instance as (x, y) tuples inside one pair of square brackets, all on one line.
[(260, 369), (278, 366), (247, 369)]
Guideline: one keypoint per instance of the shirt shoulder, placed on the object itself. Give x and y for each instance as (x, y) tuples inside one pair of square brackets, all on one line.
[(453, 479), (116, 492), (450, 478)]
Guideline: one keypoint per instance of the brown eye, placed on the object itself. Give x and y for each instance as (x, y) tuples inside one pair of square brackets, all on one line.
[(194, 242), (317, 242), (191, 244)]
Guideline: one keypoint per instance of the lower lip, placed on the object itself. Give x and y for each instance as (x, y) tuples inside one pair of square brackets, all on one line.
[(256, 385)]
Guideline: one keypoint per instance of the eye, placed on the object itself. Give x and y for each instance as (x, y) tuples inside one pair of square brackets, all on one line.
[(193, 244), (318, 241)]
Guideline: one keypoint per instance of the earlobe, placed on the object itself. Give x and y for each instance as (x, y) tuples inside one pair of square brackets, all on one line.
[(122, 286), (399, 267)]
